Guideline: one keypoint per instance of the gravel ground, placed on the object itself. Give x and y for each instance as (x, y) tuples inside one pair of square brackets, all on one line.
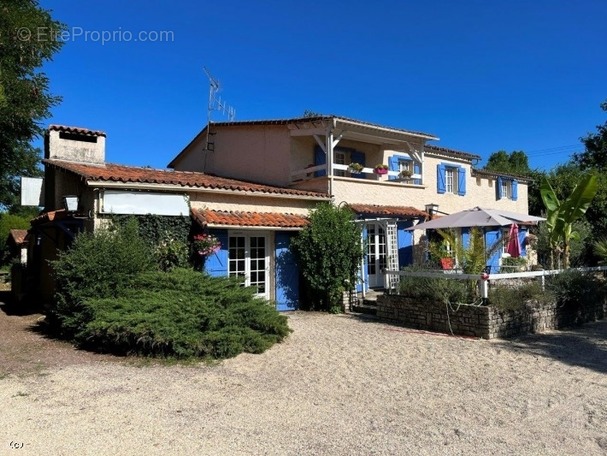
[(339, 385)]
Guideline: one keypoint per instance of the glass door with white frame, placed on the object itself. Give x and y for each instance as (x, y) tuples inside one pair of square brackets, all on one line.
[(248, 258), (376, 254)]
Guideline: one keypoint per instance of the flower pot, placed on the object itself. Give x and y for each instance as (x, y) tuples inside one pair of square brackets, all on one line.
[(380, 171)]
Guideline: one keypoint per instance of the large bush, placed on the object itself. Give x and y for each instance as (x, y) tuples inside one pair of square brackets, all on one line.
[(97, 265), (329, 252), (430, 289), (181, 313), (573, 288), (112, 298)]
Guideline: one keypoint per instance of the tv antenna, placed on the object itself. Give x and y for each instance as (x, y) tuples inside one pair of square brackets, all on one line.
[(216, 104), (215, 101)]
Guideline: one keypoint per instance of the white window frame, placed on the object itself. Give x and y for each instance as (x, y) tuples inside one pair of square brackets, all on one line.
[(451, 183), (506, 189), (248, 261)]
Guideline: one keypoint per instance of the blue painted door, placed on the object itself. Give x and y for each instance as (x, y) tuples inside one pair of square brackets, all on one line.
[(286, 274)]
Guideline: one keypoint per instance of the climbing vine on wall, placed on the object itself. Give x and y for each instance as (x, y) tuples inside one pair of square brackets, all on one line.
[(167, 236)]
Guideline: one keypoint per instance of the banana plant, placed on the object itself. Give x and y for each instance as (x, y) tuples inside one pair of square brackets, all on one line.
[(561, 214)]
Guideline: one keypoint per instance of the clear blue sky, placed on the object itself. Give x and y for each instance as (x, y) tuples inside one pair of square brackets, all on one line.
[(481, 75)]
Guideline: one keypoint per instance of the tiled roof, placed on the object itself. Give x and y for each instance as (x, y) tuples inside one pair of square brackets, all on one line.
[(18, 236), (323, 118), (76, 130), (132, 174), (59, 214), (486, 173), (249, 219), (391, 211), (429, 148)]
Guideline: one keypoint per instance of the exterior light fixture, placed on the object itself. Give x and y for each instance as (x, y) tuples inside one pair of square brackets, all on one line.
[(70, 203), (431, 209)]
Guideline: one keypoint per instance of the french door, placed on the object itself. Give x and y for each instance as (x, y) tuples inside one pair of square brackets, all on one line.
[(376, 254), (248, 257)]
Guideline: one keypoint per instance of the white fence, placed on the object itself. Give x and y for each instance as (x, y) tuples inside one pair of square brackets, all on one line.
[(392, 277)]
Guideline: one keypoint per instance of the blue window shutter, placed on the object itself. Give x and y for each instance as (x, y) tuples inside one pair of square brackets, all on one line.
[(216, 264), (461, 181), (392, 165), (405, 243), (417, 169), (514, 190), (440, 178), (499, 188), (287, 274), (358, 157), (320, 158)]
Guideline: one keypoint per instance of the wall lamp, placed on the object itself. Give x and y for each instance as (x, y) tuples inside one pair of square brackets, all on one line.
[(70, 203), (432, 210)]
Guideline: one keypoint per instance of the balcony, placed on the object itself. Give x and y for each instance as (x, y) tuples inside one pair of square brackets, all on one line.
[(367, 174)]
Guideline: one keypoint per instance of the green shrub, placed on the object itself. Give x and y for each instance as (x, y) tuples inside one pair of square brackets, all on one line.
[(431, 289), (98, 265), (515, 297), (182, 314), (329, 252), (573, 288)]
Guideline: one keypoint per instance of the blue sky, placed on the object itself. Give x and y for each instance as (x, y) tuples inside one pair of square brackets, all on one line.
[(481, 75)]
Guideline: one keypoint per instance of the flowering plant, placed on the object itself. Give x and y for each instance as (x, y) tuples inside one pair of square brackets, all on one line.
[(205, 244)]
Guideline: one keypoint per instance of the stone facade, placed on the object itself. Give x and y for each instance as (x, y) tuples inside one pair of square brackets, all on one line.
[(484, 321)]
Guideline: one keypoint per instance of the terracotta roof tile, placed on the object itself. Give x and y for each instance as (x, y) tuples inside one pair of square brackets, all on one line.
[(494, 174), (76, 130), (18, 236), (207, 217), (131, 174), (430, 148), (390, 211)]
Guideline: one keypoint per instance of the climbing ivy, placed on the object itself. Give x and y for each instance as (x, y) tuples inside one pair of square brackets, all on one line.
[(166, 235)]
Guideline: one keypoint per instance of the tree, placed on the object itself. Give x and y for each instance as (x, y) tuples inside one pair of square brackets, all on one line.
[(595, 155), (516, 163), (561, 215), (329, 253), (28, 38)]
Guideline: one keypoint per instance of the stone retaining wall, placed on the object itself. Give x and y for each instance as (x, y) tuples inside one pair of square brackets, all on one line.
[(484, 321)]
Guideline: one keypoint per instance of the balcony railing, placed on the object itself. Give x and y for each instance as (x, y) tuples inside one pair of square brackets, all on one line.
[(308, 173)]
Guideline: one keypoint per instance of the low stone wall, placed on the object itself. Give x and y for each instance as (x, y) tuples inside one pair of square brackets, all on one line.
[(484, 321)]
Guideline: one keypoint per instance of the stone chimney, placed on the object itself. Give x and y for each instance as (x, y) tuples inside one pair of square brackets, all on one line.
[(74, 144)]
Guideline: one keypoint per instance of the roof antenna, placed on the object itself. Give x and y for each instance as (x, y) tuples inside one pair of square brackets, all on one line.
[(216, 104)]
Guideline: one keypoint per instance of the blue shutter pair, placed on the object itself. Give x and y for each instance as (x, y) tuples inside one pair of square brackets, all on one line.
[(514, 188), (441, 179)]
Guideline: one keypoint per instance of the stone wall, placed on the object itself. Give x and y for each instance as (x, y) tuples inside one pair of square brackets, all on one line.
[(484, 321)]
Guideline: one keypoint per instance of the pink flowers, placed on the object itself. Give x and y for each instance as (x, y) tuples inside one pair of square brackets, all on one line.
[(205, 244)]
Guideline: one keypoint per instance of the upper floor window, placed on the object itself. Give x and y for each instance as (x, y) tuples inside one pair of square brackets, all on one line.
[(451, 179), (341, 158), (507, 188)]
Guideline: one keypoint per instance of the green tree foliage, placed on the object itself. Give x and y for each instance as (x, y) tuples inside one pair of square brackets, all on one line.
[(10, 222), (562, 214), (26, 43), (329, 253), (516, 163), (595, 155)]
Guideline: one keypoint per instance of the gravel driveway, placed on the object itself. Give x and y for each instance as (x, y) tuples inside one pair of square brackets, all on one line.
[(339, 385)]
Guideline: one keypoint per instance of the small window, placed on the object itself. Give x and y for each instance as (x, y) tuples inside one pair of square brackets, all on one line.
[(506, 189), (450, 180)]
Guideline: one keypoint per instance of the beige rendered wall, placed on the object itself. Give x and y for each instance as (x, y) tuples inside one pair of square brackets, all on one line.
[(252, 153), (479, 191)]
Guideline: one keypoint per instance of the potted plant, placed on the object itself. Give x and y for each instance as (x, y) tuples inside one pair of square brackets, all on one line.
[(380, 169), (355, 168), (405, 174), (205, 244)]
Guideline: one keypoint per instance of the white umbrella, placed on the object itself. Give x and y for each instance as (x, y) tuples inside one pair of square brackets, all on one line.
[(478, 216)]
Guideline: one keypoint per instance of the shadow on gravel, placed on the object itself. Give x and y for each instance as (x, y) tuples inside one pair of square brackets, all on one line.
[(10, 307), (585, 346)]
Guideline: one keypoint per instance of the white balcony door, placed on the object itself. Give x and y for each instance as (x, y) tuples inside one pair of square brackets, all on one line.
[(376, 254), (248, 257)]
